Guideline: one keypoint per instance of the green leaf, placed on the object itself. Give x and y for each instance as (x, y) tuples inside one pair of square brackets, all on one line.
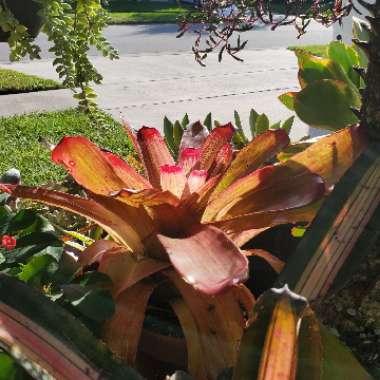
[(28, 221), (347, 57), (185, 121), (96, 304), (276, 125), (217, 123), (298, 232), (238, 120), (21, 28), (287, 100), (34, 267), (287, 124), (239, 139), (253, 115), (5, 218), (312, 68), (361, 29), (326, 104), (208, 121), (10, 370), (31, 244), (168, 133), (177, 135), (262, 124), (338, 361)]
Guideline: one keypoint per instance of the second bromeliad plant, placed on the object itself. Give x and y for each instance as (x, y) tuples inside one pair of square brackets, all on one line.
[(175, 232)]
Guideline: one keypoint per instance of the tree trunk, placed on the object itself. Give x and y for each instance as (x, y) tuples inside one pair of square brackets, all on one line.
[(370, 112)]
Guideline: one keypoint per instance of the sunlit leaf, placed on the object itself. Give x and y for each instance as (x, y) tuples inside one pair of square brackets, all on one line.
[(269, 347), (334, 97), (287, 124), (213, 143), (262, 124), (313, 68), (256, 153), (206, 258), (287, 100), (155, 153), (347, 57), (97, 171), (253, 115), (272, 188), (173, 179)]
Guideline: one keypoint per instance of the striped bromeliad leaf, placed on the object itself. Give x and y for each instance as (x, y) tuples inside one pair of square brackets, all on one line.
[(190, 215), (286, 342), (49, 341), (328, 243)]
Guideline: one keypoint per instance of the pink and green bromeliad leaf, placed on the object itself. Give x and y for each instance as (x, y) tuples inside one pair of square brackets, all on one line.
[(188, 213)]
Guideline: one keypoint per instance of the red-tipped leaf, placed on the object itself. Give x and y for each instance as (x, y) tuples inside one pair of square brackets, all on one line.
[(255, 154), (214, 143), (98, 171), (195, 181), (155, 153), (271, 188), (188, 158), (173, 179)]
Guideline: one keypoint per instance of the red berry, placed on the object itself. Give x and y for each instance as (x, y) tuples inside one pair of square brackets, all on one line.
[(8, 242)]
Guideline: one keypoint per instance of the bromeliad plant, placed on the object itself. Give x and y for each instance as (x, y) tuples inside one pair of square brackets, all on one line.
[(181, 225)]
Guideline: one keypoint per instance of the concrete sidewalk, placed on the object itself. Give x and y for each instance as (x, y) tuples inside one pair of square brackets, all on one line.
[(144, 88)]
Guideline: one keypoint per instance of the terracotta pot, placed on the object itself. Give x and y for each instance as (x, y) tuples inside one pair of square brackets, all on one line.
[(26, 11)]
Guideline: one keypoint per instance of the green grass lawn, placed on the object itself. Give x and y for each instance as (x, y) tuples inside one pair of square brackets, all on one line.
[(13, 82), (133, 12), (320, 50), (20, 147)]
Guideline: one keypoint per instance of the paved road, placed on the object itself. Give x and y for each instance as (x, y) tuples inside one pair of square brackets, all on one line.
[(157, 76), (161, 38)]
